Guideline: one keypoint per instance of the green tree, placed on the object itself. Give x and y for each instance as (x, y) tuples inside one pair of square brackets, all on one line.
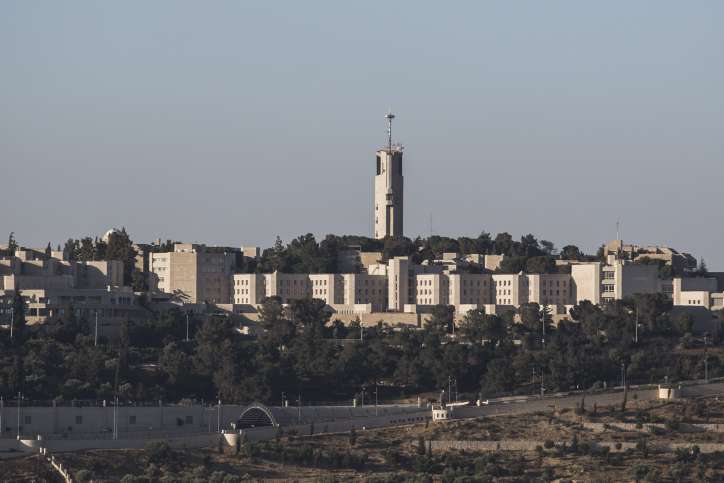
[(476, 326), (441, 320), (120, 247), (512, 264), (548, 247), (18, 316), (12, 244), (278, 330), (70, 249), (504, 244), (571, 252), (542, 264), (86, 251), (309, 314)]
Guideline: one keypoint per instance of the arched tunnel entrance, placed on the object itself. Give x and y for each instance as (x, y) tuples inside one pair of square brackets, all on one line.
[(255, 416)]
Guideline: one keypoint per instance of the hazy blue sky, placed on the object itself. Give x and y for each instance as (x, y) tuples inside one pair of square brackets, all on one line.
[(229, 122)]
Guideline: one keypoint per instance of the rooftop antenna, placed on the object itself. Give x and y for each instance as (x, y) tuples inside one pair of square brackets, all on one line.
[(389, 118)]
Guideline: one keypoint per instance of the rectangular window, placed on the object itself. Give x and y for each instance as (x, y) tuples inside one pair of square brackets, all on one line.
[(27, 420)]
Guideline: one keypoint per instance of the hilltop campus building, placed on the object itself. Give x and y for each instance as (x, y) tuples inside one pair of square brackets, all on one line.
[(395, 290)]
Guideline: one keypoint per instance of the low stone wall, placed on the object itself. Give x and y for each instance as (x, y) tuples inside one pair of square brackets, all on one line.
[(527, 445), (651, 427)]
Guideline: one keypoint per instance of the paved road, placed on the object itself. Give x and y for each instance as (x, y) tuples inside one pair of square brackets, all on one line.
[(531, 404)]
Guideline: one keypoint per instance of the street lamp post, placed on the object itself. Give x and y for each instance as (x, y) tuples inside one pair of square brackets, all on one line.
[(376, 413), (95, 340), (449, 388), (115, 423), (299, 409), (706, 359), (20, 403), (636, 336)]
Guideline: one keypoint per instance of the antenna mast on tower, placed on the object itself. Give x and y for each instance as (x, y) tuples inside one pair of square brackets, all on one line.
[(389, 118), (618, 229)]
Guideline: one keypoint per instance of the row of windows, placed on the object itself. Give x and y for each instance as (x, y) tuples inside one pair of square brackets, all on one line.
[(550, 282), (465, 283)]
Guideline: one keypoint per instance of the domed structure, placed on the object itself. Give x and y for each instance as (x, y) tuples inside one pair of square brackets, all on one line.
[(109, 233)]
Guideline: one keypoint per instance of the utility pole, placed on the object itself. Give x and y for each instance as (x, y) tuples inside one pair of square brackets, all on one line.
[(95, 341), (12, 322), (542, 387), (187, 326), (543, 322), (623, 374), (376, 413), (449, 388), (218, 417)]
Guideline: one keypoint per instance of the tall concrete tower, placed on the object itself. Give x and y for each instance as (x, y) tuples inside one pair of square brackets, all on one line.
[(388, 187)]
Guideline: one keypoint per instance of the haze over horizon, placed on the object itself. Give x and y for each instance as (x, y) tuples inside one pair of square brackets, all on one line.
[(231, 123)]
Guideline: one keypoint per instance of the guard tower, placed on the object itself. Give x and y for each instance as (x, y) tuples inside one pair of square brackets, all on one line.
[(388, 188)]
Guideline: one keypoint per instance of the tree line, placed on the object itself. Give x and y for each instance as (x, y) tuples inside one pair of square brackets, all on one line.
[(302, 352)]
